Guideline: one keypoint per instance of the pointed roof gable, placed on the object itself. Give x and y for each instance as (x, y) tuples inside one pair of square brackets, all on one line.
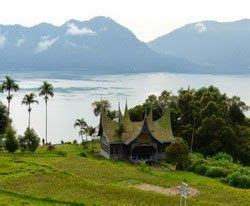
[(120, 117), (161, 129)]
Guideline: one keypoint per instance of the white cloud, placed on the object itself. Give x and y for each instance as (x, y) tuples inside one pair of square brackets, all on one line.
[(200, 27), (20, 42), (45, 43), (75, 31), (2, 40)]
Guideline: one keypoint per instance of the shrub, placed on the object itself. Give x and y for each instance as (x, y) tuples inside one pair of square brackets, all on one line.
[(11, 143), (75, 141), (223, 156), (30, 140), (200, 169), (216, 172), (237, 179), (177, 153), (83, 154), (62, 142)]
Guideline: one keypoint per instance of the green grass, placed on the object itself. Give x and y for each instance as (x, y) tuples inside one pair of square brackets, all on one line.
[(62, 177)]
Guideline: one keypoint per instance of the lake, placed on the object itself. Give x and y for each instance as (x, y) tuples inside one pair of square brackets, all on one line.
[(74, 93)]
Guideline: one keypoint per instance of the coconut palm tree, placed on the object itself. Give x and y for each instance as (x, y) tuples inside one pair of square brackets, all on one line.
[(29, 99), (99, 105), (91, 131), (82, 126), (9, 85), (46, 90)]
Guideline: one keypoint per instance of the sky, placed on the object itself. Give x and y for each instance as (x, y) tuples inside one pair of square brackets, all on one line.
[(148, 19)]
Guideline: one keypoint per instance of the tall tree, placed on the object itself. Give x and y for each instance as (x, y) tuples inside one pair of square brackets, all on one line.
[(46, 90), (9, 85), (81, 123), (4, 120), (28, 100)]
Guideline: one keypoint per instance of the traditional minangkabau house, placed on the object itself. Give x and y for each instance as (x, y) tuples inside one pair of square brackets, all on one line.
[(132, 141)]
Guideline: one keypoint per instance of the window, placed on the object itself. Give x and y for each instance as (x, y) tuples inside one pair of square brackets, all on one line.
[(114, 150), (161, 148)]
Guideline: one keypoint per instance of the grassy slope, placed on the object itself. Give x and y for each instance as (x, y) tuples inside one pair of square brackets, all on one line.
[(46, 178)]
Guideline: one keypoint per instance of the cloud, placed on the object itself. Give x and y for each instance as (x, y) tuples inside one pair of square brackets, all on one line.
[(20, 42), (75, 31), (2, 40), (200, 27), (45, 43)]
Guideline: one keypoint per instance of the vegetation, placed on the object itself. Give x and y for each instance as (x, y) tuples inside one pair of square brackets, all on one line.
[(81, 123), (46, 90), (105, 106), (11, 143), (49, 178), (30, 140), (178, 154), (28, 100), (221, 166), (209, 121), (91, 132), (4, 120), (9, 85)]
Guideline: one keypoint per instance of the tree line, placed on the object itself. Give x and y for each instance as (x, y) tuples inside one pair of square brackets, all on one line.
[(30, 140), (206, 119)]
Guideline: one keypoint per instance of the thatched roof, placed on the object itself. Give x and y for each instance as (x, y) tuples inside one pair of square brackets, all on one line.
[(160, 129)]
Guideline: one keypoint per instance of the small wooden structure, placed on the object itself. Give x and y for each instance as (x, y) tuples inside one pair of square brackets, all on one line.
[(145, 140)]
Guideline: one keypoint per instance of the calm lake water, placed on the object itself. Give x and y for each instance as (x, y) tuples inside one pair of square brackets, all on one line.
[(74, 93)]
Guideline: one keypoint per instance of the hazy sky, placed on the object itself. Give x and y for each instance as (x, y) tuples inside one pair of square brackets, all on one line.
[(146, 18)]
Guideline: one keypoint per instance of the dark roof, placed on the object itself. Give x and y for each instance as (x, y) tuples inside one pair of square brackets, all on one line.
[(160, 129)]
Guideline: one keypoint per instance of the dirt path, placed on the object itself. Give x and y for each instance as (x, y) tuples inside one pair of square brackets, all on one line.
[(166, 191)]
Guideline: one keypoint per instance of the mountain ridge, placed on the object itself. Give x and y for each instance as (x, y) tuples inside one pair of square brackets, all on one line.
[(99, 45), (221, 47)]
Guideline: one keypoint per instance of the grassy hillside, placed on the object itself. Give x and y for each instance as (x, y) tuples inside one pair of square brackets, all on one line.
[(62, 177)]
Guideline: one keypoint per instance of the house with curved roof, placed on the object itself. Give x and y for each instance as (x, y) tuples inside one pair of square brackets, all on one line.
[(132, 141)]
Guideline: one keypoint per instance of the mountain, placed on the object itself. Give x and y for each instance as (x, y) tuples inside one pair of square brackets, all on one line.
[(99, 45), (221, 47)]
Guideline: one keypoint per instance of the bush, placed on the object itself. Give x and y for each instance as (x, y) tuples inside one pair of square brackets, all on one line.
[(62, 142), (75, 141), (237, 179), (83, 154), (216, 172), (30, 140), (62, 153), (177, 153), (11, 143), (200, 169), (223, 156)]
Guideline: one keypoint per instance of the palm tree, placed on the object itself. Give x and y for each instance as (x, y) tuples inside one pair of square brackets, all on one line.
[(9, 85), (83, 127), (28, 100), (46, 90), (99, 105), (91, 131)]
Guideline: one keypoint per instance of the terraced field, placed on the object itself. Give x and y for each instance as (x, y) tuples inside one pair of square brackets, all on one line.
[(63, 177)]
